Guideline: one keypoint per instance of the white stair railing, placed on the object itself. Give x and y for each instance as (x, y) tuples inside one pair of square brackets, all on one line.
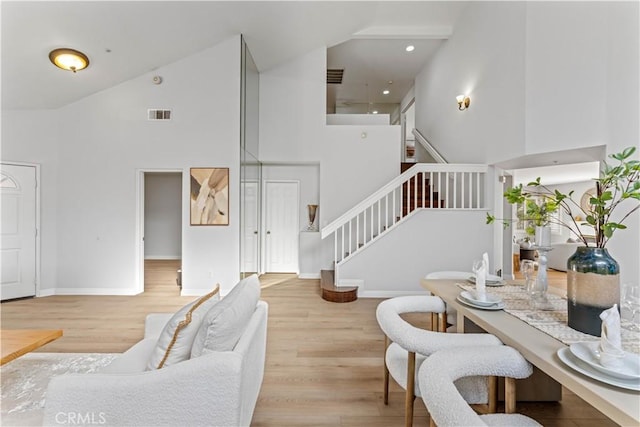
[(423, 186), (428, 146)]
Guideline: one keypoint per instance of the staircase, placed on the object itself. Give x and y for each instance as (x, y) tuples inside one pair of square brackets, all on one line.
[(419, 192), (420, 186)]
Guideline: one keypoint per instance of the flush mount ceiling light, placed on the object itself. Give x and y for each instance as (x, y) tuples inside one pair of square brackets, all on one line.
[(385, 92), (69, 59), (463, 102), (409, 48)]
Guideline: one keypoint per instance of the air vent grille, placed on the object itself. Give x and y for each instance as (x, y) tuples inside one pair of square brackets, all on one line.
[(159, 114), (334, 76)]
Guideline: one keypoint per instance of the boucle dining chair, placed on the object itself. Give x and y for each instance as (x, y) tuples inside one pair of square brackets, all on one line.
[(450, 313), (407, 346), (446, 405)]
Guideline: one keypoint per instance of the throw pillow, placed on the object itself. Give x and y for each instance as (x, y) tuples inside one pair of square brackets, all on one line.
[(226, 321), (175, 341)]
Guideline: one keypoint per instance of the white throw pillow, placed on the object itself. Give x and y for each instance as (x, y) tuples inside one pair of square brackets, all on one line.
[(226, 321), (175, 341)]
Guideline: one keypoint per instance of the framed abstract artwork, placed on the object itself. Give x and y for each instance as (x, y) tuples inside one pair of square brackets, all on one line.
[(209, 196)]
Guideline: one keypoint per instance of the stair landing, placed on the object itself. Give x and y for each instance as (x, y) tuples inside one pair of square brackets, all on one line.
[(332, 293)]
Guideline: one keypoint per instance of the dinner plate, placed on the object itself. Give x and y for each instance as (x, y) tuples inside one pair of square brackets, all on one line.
[(578, 365), (588, 352), (490, 281), (472, 297), (494, 307)]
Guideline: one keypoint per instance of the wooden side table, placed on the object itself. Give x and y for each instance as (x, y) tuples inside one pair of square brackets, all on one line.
[(16, 342)]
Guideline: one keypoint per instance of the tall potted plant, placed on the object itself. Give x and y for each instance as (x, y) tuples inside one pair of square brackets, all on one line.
[(593, 276)]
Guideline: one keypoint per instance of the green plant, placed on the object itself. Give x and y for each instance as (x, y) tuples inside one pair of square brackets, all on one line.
[(617, 184)]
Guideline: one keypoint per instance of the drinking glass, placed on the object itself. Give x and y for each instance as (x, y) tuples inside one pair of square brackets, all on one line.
[(631, 302), (528, 268)]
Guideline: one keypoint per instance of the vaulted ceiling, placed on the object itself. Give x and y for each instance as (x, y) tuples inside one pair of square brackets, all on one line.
[(127, 39)]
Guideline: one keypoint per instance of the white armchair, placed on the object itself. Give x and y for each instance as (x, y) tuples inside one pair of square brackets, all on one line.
[(215, 389), (411, 346), (444, 402)]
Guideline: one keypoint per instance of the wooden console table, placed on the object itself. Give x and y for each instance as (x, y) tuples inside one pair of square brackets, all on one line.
[(16, 342)]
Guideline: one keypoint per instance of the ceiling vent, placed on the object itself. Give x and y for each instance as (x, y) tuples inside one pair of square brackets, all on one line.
[(334, 76), (159, 115)]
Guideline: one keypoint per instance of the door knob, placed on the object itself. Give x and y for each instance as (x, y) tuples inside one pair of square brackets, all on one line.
[(268, 232), (255, 232)]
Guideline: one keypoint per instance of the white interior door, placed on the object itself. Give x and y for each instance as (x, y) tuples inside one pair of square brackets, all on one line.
[(250, 232), (281, 226), (18, 231)]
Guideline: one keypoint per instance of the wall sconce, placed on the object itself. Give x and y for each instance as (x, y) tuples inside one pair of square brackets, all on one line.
[(463, 102), (69, 59)]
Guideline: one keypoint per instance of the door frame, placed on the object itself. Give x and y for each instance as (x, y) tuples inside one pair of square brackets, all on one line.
[(139, 234), (263, 220), (38, 255)]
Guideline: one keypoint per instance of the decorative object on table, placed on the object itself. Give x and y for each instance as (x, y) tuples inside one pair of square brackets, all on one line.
[(592, 274), (610, 348), (631, 301), (209, 196), (480, 270), (312, 209)]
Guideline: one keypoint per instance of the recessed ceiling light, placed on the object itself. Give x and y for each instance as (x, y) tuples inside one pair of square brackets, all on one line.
[(375, 111), (69, 59), (385, 92), (410, 48)]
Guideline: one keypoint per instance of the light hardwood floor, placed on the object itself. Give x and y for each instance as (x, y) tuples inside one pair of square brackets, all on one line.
[(324, 360)]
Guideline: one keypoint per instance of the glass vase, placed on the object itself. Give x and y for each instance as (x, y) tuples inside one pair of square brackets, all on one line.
[(593, 285)]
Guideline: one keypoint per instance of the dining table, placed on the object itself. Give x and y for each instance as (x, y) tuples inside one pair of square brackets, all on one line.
[(530, 331)]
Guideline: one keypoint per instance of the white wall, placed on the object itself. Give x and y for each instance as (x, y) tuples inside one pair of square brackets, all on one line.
[(543, 77), (105, 138), (32, 136), (566, 68), (293, 129), (430, 241), (358, 119), (484, 58), (292, 109), (163, 215), (353, 167)]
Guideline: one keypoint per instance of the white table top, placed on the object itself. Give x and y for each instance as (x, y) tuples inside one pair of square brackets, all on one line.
[(622, 406)]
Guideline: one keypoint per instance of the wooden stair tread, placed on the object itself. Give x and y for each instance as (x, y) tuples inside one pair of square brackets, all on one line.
[(332, 293)]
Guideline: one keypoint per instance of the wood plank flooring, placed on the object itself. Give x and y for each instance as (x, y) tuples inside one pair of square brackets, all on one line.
[(324, 360)]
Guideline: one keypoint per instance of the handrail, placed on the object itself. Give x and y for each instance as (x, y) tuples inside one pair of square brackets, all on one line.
[(427, 146), (395, 183)]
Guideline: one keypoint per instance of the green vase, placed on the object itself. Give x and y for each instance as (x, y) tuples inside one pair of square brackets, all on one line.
[(593, 285)]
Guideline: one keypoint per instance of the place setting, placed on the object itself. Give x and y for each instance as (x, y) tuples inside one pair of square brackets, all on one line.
[(479, 297), (605, 360)]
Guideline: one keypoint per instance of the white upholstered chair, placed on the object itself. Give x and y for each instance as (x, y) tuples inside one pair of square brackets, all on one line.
[(451, 314), (407, 346), (446, 405)]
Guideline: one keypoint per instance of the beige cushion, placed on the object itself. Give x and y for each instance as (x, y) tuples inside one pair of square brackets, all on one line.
[(226, 321), (175, 341)]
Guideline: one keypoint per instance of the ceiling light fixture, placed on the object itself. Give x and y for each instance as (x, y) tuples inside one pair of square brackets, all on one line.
[(69, 59), (385, 92), (375, 111), (463, 102), (410, 48)]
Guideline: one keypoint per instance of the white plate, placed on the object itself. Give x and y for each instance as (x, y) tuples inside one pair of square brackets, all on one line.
[(494, 307), (588, 352), (490, 281), (578, 365), (472, 297)]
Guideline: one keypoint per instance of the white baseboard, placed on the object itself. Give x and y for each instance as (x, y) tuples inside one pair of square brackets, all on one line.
[(94, 291), (309, 276), (46, 292), (162, 257), (388, 294)]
